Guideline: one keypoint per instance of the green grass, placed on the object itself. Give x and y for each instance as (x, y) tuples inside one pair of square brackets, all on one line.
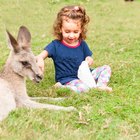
[(114, 38)]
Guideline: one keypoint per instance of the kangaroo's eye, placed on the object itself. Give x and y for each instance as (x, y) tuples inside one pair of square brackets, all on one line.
[(25, 63)]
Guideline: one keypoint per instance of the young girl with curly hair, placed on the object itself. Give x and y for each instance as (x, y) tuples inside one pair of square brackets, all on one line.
[(69, 49)]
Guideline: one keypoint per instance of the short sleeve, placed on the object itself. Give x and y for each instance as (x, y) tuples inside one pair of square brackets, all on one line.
[(50, 48), (87, 51)]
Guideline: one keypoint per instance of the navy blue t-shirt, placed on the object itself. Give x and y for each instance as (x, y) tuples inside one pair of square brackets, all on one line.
[(67, 59)]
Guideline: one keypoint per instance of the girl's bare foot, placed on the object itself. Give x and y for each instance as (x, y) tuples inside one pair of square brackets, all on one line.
[(57, 85), (105, 88)]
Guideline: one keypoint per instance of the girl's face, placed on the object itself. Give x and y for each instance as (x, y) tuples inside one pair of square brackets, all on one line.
[(71, 30)]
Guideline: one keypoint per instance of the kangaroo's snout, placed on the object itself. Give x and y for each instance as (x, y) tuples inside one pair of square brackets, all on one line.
[(38, 78)]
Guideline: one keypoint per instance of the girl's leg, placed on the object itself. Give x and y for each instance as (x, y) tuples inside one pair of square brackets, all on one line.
[(77, 86), (74, 85), (102, 76)]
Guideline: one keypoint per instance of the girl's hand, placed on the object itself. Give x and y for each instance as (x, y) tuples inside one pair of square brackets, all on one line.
[(40, 63), (89, 60), (40, 60)]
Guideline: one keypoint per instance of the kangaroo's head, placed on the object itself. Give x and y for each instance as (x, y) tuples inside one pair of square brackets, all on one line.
[(22, 60)]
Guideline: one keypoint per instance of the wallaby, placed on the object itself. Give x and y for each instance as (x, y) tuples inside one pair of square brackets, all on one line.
[(20, 64)]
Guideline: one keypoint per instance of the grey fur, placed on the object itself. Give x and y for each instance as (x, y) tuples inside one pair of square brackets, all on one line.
[(20, 64)]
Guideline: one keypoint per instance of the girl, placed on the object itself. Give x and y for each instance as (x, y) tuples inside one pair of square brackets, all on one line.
[(69, 49)]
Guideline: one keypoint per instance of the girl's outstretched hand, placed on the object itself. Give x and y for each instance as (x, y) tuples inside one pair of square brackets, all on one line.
[(40, 63), (89, 60), (40, 60)]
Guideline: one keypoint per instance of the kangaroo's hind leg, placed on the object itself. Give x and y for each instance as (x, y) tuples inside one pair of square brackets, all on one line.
[(32, 104), (48, 98)]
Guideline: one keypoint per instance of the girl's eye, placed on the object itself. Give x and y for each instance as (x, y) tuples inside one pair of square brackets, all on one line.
[(66, 31), (25, 63), (76, 32)]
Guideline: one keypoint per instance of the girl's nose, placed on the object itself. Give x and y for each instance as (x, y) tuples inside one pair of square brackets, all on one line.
[(71, 35)]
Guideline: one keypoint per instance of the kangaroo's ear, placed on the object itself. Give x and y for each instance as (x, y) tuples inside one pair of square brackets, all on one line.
[(24, 37), (12, 43)]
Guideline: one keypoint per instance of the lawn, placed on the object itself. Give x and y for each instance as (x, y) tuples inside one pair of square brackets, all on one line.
[(114, 38)]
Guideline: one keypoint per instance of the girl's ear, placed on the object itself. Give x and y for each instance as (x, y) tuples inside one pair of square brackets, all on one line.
[(81, 31)]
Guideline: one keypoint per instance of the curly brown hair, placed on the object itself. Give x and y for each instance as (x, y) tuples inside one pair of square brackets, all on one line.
[(71, 12)]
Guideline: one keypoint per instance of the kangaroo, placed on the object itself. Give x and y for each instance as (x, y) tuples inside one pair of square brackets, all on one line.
[(20, 64)]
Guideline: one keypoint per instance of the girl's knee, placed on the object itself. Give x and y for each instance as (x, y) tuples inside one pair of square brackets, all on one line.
[(107, 68)]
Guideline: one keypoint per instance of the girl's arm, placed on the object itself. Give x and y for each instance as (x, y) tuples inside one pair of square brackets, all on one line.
[(40, 59), (89, 59)]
